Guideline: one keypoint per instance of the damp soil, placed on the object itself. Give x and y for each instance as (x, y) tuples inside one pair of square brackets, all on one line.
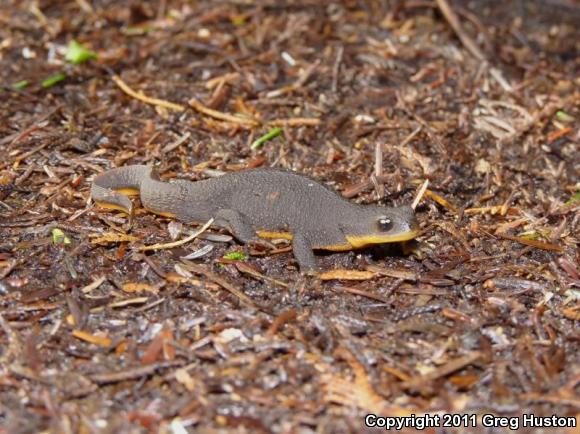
[(479, 315)]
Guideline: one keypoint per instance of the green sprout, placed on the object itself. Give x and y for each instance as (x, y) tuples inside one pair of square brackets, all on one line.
[(53, 79), (59, 237), (573, 199), (238, 20), (76, 53), (20, 84), (136, 31), (564, 117), (274, 132), (236, 256)]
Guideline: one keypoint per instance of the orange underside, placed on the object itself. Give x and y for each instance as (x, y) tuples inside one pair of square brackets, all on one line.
[(113, 206), (358, 241), (161, 213), (275, 235), (127, 191), (353, 242)]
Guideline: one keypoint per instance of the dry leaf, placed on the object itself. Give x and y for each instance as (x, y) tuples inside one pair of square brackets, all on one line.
[(392, 272), (411, 158), (123, 303), (111, 237), (183, 377), (572, 313), (342, 274), (357, 392), (138, 287), (441, 200), (102, 341)]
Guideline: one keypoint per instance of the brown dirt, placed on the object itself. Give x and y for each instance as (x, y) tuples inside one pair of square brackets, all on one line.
[(480, 315)]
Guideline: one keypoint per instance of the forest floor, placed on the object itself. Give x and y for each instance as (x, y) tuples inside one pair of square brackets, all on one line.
[(477, 316)]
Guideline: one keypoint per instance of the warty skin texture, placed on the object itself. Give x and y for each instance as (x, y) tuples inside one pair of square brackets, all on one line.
[(266, 203)]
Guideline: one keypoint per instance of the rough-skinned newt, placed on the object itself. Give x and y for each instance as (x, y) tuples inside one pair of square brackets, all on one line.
[(265, 203)]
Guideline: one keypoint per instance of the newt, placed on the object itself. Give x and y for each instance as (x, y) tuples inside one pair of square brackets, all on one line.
[(261, 203)]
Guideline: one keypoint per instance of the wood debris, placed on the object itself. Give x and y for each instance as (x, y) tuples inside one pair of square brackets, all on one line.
[(466, 112)]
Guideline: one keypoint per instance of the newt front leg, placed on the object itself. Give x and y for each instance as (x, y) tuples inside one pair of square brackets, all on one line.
[(302, 249)]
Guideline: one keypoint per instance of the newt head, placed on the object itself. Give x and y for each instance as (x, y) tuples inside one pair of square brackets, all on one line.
[(378, 225)]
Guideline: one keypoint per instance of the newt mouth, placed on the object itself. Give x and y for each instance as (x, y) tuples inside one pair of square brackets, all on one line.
[(366, 240)]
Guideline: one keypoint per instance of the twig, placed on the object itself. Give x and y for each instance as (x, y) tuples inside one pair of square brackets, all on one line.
[(353, 190), (420, 194), (132, 374), (177, 143), (144, 98), (336, 68), (345, 274), (532, 243), (496, 73), (441, 200), (422, 122), (456, 26), (379, 186), (33, 151), (443, 371), (411, 136), (468, 43), (93, 285), (492, 210), (244, 268), (196, 105), (85, 6), (295, 122), (226, 78), (37, 126), (251, 122), (284, 317), (179, 242), (302, 79)]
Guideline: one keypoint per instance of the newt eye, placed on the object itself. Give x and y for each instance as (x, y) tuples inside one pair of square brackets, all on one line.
[(385, 224)]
